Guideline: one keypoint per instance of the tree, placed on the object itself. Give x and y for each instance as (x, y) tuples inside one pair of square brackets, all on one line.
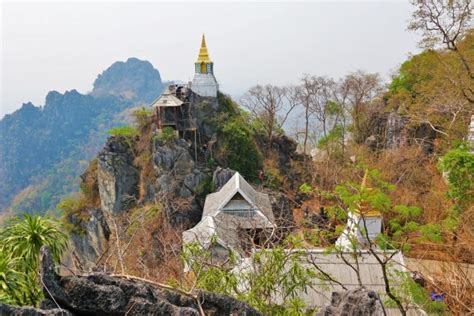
[(448, 22), (270, 281), (24, 238), (357, 92), (20, 243), (458, 163), (429, 91), (237, 142), (270, 106)]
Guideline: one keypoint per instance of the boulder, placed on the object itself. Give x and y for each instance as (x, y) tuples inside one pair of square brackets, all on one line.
[(101, 294), (354, 302), (9, 310), (221, 176)]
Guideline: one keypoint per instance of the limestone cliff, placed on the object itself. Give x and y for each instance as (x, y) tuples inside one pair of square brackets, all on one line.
[(169, 176)]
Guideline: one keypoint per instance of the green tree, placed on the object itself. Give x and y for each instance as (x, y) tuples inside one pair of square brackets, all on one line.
[(20, 243), (240, 152), (270, 282), (458, 164)]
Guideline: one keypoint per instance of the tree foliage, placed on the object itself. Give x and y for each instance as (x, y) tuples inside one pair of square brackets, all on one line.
[(458, 164), (270, 281), (21, 240)]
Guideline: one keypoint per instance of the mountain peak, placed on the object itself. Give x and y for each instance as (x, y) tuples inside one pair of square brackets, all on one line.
[(134, 79)]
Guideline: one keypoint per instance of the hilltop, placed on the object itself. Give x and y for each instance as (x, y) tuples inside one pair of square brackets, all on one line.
[(43, 148)]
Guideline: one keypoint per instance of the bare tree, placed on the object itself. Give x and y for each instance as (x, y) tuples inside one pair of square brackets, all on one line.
[(359, 89), (271, 106), (446, 22)]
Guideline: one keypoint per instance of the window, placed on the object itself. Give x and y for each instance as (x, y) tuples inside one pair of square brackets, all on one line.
[(250, 213)]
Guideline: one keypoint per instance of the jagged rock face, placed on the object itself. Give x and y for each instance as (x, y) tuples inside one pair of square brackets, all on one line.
[(395, 136), (9, 310), (178, 179), (117, 176), (176, 170), (203, 111), (353, 302), (90, 242), (221, 176), (100, 294)]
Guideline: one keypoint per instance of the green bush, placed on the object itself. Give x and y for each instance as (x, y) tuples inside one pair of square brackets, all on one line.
[(125, 131), (240, 150), (166, 135), (142, 116), (458, 163), (20, 243)]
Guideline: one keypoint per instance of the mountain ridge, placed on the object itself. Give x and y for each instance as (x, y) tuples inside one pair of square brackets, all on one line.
[(29, 156)]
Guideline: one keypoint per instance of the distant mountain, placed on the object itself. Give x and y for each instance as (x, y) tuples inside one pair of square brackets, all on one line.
[(134, 80), (43, 149)]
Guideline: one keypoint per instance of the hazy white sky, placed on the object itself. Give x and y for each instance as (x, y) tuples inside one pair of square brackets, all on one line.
[(63, 46)]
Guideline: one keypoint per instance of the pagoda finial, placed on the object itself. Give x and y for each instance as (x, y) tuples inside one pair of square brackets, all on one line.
[(203, 54), (364, 179)]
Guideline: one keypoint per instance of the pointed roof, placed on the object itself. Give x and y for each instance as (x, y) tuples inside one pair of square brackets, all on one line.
[(167, 99), (203, 54), (215, 202)]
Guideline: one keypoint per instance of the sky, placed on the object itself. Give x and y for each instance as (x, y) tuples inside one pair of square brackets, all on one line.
[(63, 46)]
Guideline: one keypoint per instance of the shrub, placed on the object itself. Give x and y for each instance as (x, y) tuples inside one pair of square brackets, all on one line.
[(166, 135), (125, 131), (142, 116), (458, 163), (20, 243), (240, 151)]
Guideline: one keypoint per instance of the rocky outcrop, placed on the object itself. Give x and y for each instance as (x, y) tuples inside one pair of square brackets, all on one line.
[(101, 294), (395, 135), (221, 176), (9, 310), (117, 176), (90, 239), (353, 302), (178, 182)]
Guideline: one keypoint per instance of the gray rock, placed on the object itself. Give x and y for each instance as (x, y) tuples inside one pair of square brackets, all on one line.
[(117, 176), (395, 137), (9, 310), (356, 302), (91, 240), (101, 294), (221, 176), (191, 183)]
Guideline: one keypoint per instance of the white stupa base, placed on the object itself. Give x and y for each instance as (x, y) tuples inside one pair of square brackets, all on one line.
[(204, 85)]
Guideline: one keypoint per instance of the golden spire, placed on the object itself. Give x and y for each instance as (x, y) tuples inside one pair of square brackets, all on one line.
[(203, 54), (362, 209)]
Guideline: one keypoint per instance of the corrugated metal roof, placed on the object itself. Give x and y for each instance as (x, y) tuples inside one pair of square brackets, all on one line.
[(167, 99)]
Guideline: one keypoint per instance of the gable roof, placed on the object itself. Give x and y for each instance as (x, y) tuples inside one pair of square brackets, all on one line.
[(223, 229), (167, 99), (215, 202)]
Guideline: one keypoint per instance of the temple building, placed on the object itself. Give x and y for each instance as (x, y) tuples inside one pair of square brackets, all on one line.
[(204, 82), (228, 214)]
